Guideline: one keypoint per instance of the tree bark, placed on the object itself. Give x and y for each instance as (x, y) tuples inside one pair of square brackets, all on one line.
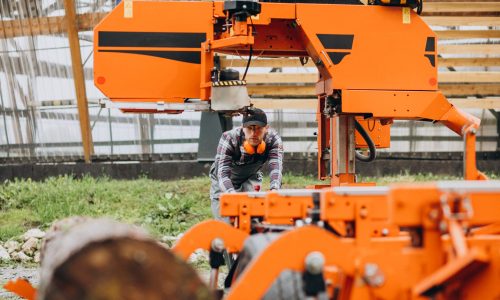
[(103, 259)]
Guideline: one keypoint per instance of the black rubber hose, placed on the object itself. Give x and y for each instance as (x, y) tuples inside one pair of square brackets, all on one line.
[(369, 142), (420, 7), (248, 63)]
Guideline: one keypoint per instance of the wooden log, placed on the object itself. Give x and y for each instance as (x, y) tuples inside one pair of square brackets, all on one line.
[(103, 259)]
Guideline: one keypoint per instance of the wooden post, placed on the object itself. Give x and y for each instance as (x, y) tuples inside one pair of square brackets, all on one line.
[(79, 80), (144, 135), (496, 114)]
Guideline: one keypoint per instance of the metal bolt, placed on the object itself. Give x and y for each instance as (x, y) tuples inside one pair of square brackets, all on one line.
[(363, 212), (385, 232), (373, 275), (433, 214), (299, 223), (315, 262), (473, 130), (218, 245), (308, 221), (443, 226)]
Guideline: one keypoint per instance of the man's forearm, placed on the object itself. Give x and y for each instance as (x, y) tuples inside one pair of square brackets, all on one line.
[(275, 171), (226, 185), (276, 163), (224, 174)]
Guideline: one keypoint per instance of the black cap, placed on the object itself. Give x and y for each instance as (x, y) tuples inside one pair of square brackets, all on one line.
[(255, 116)]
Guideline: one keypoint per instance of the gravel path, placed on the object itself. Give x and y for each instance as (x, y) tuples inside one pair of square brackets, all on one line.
[(13, 272)]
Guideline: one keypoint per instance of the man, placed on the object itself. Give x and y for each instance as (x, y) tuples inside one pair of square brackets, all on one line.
[(241, 153)]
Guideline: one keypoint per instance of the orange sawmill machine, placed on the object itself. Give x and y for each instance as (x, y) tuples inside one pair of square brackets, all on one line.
[(344, 240)]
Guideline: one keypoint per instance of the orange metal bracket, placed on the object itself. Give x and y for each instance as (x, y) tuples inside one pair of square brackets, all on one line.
[(470, 167), (202, 234), (453, 271), (488, 229), (233, 41), (265, 268)]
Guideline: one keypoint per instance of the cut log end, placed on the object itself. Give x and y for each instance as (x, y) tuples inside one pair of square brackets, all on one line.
[(125, 268)]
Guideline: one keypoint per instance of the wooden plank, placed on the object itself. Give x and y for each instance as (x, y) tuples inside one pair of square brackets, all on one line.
[(308, 91), (473, 89), (294, 62), (305, 78), (467, 34), (55, 25), (461, 14), (470, 49), (471, 77), (270, 78), (462, 21), (469, 62), (462, 7), (282, 91), (79, 79), (285, 103), (311, 104), (485, 103), (46, 25), (471, 1)]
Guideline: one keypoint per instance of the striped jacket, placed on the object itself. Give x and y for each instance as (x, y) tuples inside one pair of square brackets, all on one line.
[(231, 158)]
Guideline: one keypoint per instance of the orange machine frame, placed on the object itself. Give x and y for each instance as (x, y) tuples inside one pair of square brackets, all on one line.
[(377, 63), (448, 247)]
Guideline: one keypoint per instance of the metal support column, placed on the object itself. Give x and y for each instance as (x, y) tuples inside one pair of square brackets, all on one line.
[(212, 125), (343, 150), (4, 121), (79, 80)]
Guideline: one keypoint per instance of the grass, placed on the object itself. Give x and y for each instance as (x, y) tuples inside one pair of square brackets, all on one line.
[(163, 208)]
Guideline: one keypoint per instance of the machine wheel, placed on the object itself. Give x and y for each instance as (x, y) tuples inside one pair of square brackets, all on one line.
[(287, 286)]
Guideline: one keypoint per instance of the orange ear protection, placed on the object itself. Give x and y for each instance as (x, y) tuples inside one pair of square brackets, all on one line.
[(261, 148)]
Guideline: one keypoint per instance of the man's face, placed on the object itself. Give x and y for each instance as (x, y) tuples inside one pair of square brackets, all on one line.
[(254, 134)]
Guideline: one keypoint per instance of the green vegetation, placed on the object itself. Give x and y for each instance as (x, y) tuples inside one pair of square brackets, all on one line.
[(164, 208)]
